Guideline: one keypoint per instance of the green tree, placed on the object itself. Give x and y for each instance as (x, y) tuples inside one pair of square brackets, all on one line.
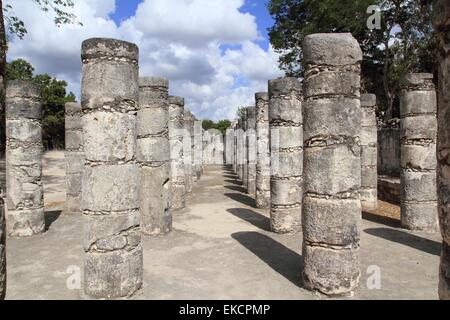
[(54, 98), (241, 112), (208, 124), (223, 125), (19, 70), (404, 43), (15, 26), (11, 25)]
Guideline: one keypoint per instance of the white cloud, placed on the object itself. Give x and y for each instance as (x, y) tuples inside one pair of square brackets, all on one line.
[(195, 22), (182, 40)]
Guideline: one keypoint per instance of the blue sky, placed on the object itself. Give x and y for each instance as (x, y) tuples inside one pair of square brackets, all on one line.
[(258, 8), (215, 53)]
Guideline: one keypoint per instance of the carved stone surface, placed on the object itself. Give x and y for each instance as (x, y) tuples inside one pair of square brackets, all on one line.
[(368, 140), (262, 151), (198, 149), (229, 146), (153, 155), (332, 163), (213, 147), (25, 192), (2, 250), (177, 189), (187, 149), (442, 27), (251, 151), (286, 147), (418, 196), (110, 195), (74, 156)]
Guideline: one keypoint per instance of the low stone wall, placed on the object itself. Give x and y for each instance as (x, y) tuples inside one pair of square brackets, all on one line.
[(389, 189), (389, 151)]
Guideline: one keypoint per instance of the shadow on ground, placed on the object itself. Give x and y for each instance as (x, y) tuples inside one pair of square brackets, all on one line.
[(236, 188), (281, 259), (407, 239), (387, 221), (50, 217), (242, 198), (236, 182), (256, 219)]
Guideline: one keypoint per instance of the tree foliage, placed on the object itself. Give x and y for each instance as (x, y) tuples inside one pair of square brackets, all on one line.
[(54, 98), (404, 43), (222, 125), (59, 8)]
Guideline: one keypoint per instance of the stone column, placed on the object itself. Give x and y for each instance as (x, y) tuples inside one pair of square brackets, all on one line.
[(187, 150), (229, 146), (153, 154), (442, 28), (191, 131), (74, 156), (177, 190), (418, 196), (286, 147), (198, 148), (263, 151), (240, 150), (235, 128), (332, 205), (251, 151), (245, 151), (368, 141), (2, 250), (113, 265), (25, 192)]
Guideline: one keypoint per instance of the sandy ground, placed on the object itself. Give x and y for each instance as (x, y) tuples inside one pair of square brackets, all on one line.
[(220, 248)]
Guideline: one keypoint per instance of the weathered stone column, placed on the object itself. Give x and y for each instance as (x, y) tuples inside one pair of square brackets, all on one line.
[(153, 154), (286, 147), (418, 196), (263, 150), (187, 150), (191, 131), (229, 146), (198, 148), (2, 250), (332, 205), (74, 156), (235, 128), (442, 28), (240, 150), (251, 151), (245, 150), (113, 264), (177, 190), (368, 141), (25, 192)]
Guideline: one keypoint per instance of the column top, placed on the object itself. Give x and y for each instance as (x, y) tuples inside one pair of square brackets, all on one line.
[(106, 47), (179, 101), (262, 96), (417, 81), (72, 108), (251, 111), (284, 86), (333, 49), (23, 89), (153, 82)]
